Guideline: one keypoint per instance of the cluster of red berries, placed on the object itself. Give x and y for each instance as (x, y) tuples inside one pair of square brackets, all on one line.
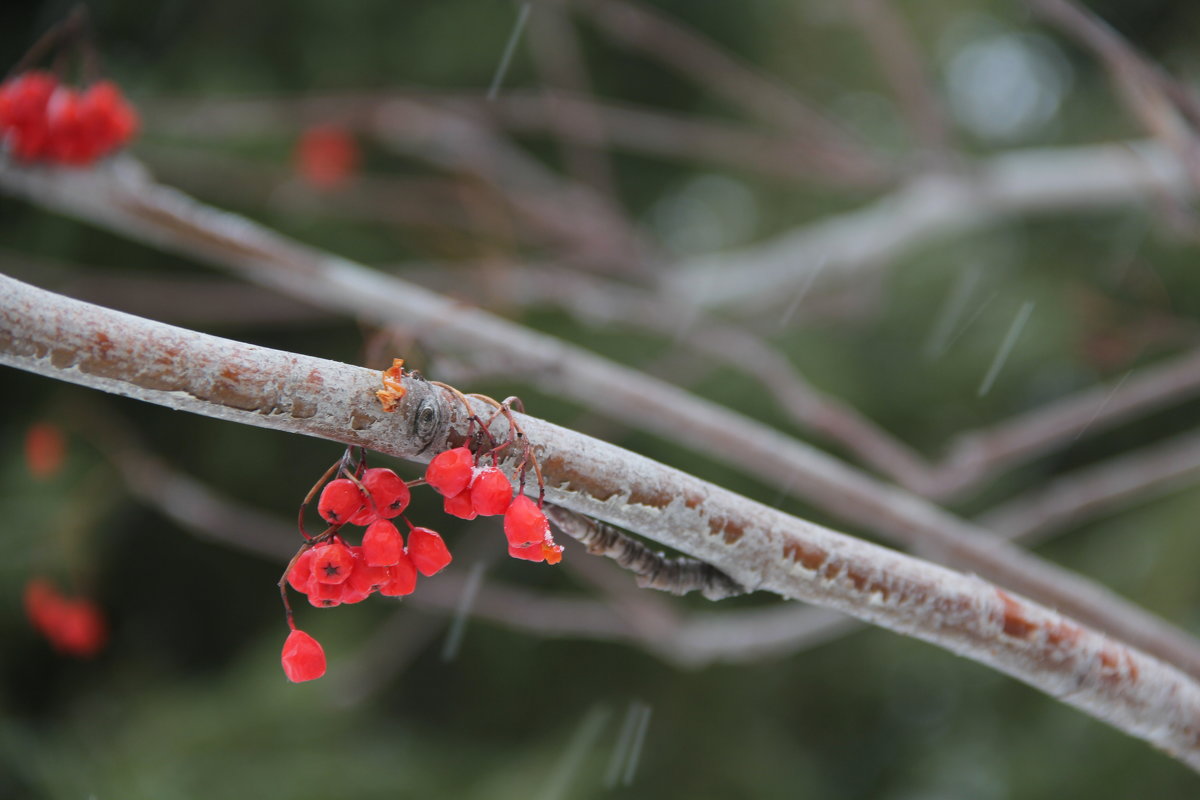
[(42, 120), (331, 572), (74, 626), (472, 491)]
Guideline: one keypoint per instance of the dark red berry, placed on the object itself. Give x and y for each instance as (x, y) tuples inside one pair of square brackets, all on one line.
[(450, 471), (382, 544), (340, 500), (524, 522), (427, 551), (332, 562), (460, 505), (491, 492), (402, 579), (303, 657)]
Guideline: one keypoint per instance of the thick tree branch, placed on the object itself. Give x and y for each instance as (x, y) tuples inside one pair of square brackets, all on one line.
[(125, 200), (756, 546)]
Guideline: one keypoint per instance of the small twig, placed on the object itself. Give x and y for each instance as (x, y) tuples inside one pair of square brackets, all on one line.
[(1085, 493), (697, 58), (902, 68)]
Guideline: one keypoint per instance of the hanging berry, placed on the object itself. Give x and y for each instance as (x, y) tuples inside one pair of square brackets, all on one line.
[(303, 657), (491, 492), (340, 500), (450, 471)]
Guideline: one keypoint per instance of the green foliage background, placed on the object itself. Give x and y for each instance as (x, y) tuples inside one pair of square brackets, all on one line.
[(188, 700)]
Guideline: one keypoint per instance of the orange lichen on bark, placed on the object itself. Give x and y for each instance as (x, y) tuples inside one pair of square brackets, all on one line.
[(393, 390)]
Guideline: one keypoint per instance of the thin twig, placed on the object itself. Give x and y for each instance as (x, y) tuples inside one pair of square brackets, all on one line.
[(902, 68), (659, 37)]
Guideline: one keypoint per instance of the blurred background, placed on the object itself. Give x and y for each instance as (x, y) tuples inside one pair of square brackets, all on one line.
[(575, 167)]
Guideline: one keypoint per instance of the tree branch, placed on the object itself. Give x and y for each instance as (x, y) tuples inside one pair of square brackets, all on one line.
[(756, 546), (123, 199), (843, 248)]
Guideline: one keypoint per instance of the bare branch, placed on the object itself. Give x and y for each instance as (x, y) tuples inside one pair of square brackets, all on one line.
[(1154, 98), (756, 546), (1086, 493), (698, 59), (978, 454), (675, 136), (844, 248), (902, 67)]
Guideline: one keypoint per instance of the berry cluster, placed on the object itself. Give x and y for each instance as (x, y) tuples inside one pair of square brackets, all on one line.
[(331, 572), (471, 491), (74, 626), (44, 121)]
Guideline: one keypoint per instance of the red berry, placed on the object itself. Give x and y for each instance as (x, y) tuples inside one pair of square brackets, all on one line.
[(303, 657), (491, 492), (460, 505), (450, 471), (364, 516), (402, 579), (80, 631), (365, 578), (388, 492), (45, 449), (325, 595), (300, 576), (332, 562), (73, 626), (427, 551), (524, 522), (382, 544), (326, 156), (531, 552), (340, 500)]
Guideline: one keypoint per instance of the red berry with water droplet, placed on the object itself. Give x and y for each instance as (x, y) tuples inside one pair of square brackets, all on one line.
[(491, 493), (524, 522)]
